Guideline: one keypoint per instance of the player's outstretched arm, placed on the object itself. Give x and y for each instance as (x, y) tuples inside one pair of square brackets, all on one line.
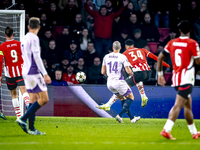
[(1, 66), (161, 79), (151, 55)]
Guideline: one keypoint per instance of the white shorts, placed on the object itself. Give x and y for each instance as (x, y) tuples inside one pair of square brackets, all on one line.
[(34, 83), (119, 87)]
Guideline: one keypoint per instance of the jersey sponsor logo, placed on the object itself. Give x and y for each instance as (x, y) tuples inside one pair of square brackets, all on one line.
[(181, 44)]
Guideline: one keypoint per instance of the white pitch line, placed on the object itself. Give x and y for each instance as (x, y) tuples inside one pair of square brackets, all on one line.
[(91, 143)]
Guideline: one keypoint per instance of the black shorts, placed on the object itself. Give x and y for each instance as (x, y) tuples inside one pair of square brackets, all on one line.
[(12, 83), (137, 77), (184, 90)]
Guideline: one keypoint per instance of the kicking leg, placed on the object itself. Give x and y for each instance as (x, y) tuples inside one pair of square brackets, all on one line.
[(142, 94), (107, 106)]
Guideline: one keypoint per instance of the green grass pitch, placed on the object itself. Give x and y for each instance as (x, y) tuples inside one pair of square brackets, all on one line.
[(95, 133)]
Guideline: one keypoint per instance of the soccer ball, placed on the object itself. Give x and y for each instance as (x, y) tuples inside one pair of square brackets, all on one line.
[(80, 76)]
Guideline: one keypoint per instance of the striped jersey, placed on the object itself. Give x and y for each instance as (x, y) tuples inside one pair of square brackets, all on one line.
[(11, 50), (137, 57), (183, 51)]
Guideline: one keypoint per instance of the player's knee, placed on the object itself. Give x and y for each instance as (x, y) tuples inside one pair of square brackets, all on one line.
[(130, 96)]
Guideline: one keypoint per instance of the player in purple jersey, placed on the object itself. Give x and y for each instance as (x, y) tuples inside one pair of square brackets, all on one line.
[(112, 67), (35, 83)]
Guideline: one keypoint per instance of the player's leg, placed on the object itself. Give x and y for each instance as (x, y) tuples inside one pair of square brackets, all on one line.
[(189, 117), (139, 77), (107, 106), (25, 95), (180, 102), (15, 102), (12, 86)]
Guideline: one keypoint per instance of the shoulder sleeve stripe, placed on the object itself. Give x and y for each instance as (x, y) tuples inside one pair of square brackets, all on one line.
[(166, 50)]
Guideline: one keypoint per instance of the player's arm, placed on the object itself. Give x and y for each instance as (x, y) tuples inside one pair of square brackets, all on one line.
[(90, 12), (196, 53), (151, 55), (103, 70), (161, 79), (129, 71), (36, 55)]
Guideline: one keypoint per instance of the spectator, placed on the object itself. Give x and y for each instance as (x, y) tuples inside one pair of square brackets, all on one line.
[(5, 4), (69, 76), (160, 48), (64, 64), (63, 40), (103, 27), (58, 79), (161, 10), (126, 14), (149, 30), (122, 38), (84, 14), (138, 41), (21, 6), (90, 54), (176, 15), (73, 54), (109, 6), (84, 39), (52, 55), (117, 27), (43, 25), (48, 69), (133, 24), (172, 35), (94, 73), (77, 26), (53, 15), (62, 4), (41, 6), (44, 40), (69, 12), (142, 11), (193, 12)]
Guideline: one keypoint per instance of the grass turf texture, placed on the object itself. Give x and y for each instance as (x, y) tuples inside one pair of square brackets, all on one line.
[(95, 133)]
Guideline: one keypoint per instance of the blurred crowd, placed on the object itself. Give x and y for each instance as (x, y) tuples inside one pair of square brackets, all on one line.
[(76, 34)]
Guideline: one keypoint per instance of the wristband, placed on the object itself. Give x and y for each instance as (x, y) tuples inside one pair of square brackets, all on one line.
[(160, 73)]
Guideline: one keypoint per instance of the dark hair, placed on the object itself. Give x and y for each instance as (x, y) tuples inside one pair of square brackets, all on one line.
[(185, 26), (8, 31), (129, 42), (34, 22)]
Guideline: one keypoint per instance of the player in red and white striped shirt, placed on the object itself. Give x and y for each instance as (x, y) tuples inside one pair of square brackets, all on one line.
[(138, 61), (183, 51), (11, 51)]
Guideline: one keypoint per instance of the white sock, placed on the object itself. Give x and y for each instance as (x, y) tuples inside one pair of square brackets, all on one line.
[(168, 125), (112, 100), (141, 89), (26, 98), (15, 103), (192, 128)]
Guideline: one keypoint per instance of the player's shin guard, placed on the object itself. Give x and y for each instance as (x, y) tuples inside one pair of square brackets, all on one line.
[(26, 98), (15, 103), (126, 106)]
